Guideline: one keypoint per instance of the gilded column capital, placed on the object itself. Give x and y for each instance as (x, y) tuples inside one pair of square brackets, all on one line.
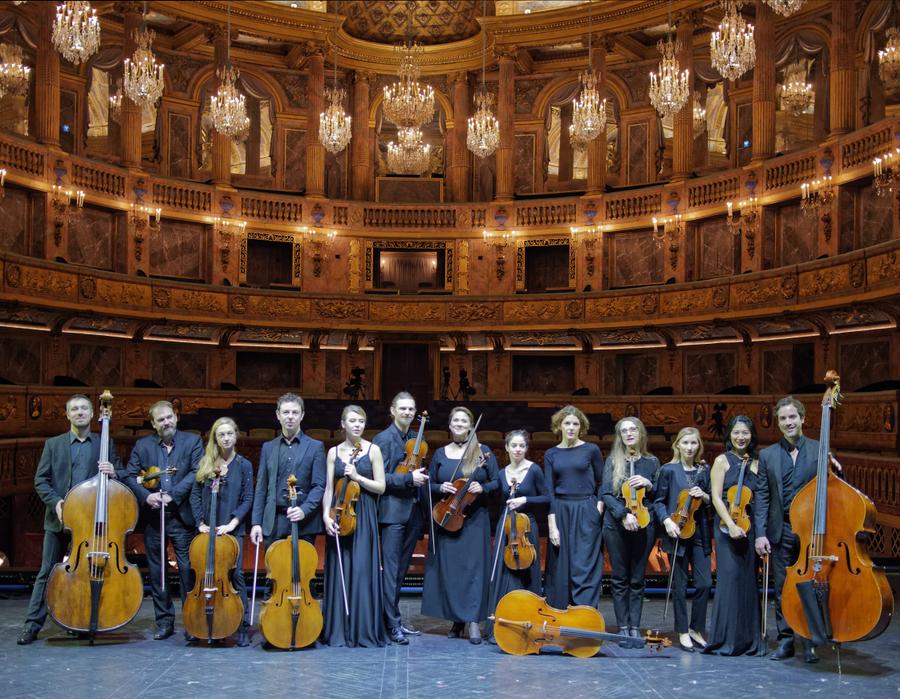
[(363, 76), (506, 53), (312, 49), (459, 76), (214, 33)]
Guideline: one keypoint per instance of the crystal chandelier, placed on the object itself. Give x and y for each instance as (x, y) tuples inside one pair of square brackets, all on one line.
[(785, 7), (483, 134), (13, 73), (143, 76), (669, 91), (334, 123), (699, 112), (76, 31), (732, 48), (409, 156), (796, 94), (889, 60), (588, 110), (407, 103), (228, 107)]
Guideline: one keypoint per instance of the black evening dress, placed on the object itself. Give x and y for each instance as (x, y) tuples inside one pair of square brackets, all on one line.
[(359, 554), (534, 490), (735, 626), (457, 574)]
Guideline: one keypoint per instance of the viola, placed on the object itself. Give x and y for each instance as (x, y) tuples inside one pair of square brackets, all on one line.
[(96, 588), (416, 449), (343, 505), (687, 507), (450, 512), (738, 500), (833, 592), (524, 623), (213, 609), (291, 618), (635, 498), (519, 553)]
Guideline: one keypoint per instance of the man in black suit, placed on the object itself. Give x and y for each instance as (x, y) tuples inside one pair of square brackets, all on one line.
[(292, 452), (181, 451), (399, 512), (67, 460), (784, 468)]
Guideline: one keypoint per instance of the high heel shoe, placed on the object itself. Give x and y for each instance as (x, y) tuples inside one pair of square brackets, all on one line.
[(455, 630), (685, 643), (697, 638)]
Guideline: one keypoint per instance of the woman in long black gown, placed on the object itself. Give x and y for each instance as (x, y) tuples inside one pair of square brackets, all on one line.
[(457, 573), (531, 497), (359, 460), (735, 626)]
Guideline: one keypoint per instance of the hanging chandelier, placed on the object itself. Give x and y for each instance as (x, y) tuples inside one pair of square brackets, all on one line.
[(76, 31), (334, 123), (669, 91), (796, 94), (785, 7), (588, 110), (228, 107), (407, 103), (483, 134), (732, 47), (13, 72), (409, 156), (699, 112), (143, 76), (889, 60)]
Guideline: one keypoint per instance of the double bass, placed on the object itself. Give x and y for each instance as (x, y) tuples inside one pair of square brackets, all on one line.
[(213, 609), (96, 588), (291, 618), (833, 592)]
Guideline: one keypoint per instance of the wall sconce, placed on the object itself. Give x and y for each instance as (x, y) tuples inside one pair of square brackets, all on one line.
[(227, 228), (67, 206), (142, 217), (746, 224), (816, 195), (886, 172), (669, 229), (320, 242), (500, 241), (2, 183), (588, 235)]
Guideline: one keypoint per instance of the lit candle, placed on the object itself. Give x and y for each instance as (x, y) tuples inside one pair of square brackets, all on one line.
[(158, 214), (655, 225), (730, 209)]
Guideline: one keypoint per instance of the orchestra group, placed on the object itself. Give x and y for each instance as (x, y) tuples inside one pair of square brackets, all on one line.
[(623, 502)]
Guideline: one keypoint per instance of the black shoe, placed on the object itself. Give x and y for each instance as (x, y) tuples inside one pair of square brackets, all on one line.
[(784, 651), (809, 654), (455, 630), (28, 637), (409, 630), (242, 639), (634, 632), (686, 649), (474, 633), (398, 637), (189, 638), (163, 631)]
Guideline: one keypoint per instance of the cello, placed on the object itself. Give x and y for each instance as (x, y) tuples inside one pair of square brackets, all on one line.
[(291, 618), (96, 588), (213, 609), (833, 592)]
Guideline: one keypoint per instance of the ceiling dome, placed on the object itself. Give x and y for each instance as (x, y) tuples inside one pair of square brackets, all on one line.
[(433, 21)]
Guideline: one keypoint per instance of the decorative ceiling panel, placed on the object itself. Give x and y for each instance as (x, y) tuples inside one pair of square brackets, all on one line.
[(430, 21)]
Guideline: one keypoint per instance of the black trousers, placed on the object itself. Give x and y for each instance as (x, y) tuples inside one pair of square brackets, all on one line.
[(282, 529), (181, 536), (398, 541), (701, 567), (783, 554), (55, 544), (628, 554)]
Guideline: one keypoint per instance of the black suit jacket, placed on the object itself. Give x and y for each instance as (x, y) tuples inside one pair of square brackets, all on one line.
[(185, 456), (396, 503), (768, 514), (55, 474), (310, 484), (235, 496)]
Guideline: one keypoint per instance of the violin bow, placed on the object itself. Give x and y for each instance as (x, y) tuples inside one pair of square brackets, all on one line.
[(162, 533), (337, 545), (255, 573), (672, 565), (765, 608), (499, 541), (467, 445)]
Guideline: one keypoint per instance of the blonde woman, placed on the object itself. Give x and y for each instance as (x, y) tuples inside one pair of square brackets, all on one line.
[(627, 543), (234, 500), (687, 472)]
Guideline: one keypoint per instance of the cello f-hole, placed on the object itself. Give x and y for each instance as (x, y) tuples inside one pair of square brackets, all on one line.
[(805, 569), (850, 568)]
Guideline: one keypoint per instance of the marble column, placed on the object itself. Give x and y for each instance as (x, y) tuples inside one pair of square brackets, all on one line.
[(764, 84), (221, 144), (683, 120), (841, 69), (130, 121), (360, 151), (46, 79), (459, 157), (505, 109), (315, 151), (566, 152), (596, 151)]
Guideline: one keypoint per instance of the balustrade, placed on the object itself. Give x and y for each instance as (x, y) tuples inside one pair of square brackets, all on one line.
[(860, 147), (182, 196), (547, 214), (89, 175), (790, 171), (26, 158), (716, 189), (627, 205), (274, 210), (409, 217)]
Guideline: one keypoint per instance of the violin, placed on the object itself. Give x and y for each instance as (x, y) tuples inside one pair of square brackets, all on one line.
[(738, 499), (833, 592), (151, 476), (291, 618), (635, 498), (687, 506), (346, 494), (524, 623), (416, 449), (519, 553), (213, 609), (96, 588), (450, 512)]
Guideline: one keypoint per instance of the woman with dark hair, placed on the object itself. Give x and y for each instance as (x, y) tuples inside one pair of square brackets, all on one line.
[(457, 572), (573, 470), (530, 497), (627, 543), (735, 628)]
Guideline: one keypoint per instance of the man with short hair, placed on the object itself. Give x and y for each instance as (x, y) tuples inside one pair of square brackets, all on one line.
[(400, 513), (67, 460), (181, 452), (291, 452)]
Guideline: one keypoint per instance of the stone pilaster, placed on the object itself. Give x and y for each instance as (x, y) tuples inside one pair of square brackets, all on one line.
[(360, 148), (841, 75), (505, 113), (764, 84), (315, 151)]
